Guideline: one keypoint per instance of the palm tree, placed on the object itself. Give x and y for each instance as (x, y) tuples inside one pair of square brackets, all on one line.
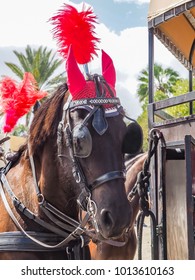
[(42, 63), (164, 80)]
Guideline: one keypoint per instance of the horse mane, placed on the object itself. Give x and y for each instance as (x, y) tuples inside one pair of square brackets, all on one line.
[(47, 118)]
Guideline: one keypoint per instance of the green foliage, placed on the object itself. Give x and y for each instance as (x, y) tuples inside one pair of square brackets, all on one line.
[(20, 130), (164, 80), (143, 122), (167, 83), (42, 63), (180, 87)]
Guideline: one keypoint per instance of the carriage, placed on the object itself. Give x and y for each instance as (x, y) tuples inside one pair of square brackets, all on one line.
[(173, 165)]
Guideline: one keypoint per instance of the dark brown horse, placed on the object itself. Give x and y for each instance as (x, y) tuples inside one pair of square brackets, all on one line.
[(73, 161), (103, 251)]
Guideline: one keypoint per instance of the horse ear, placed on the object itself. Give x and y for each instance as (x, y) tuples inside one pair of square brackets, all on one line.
[(133, 140), (108, 70), (75, 79)]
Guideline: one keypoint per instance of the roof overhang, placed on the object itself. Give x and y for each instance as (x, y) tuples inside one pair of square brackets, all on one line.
[(173, 22)]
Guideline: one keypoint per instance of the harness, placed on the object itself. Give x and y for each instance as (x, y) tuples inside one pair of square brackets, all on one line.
[(63, 233), (141, 188)]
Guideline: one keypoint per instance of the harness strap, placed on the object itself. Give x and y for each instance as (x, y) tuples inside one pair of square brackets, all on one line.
[(38, 192), (4, 140), (18, 241), (140, 223), (50, 208), (107, 177), (51, 211)]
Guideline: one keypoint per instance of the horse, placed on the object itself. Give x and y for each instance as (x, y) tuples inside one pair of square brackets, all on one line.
[(104, 251), (73, 161)]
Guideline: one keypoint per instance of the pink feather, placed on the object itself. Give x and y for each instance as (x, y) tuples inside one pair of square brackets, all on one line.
[(17, 99), (76, 29)]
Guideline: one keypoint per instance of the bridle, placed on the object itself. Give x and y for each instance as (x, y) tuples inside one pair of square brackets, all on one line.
[(66, 131), (67, 229)]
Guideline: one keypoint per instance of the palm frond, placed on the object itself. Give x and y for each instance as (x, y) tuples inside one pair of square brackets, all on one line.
[(15, 69)]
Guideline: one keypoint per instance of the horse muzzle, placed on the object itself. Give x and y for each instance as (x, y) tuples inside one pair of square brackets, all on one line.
[(113, 224)]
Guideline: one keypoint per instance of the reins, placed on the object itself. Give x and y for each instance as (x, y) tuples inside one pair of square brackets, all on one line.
[(141, 188)]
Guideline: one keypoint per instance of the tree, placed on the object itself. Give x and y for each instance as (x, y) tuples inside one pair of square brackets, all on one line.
[(180, 87), (42, 63), (164, 80), (143, 122)]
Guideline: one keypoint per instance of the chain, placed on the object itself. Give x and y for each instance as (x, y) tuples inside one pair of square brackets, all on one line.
[(142, 186)]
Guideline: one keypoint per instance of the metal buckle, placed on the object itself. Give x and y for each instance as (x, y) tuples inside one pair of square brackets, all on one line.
[(68, 252), (40, 198), (92, 211)]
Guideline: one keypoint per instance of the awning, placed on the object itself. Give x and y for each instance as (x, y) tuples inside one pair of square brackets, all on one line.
[(174, 24)]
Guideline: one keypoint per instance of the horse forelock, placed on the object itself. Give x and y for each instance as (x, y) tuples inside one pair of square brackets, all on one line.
[(47, 118)]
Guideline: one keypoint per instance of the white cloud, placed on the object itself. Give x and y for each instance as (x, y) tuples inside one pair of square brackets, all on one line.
[(135, 1), (26, 22), (129, 49)]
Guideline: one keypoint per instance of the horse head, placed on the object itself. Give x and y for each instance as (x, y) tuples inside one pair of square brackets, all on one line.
[(78, 139), (95, 133)]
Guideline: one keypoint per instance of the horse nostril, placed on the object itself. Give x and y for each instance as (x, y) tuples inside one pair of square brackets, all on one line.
[(107, 219)]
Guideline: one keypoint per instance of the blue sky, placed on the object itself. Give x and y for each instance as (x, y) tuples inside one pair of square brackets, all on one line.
[(121, 14), (122, 28)]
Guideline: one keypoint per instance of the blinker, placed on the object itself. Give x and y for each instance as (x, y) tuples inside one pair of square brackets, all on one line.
[(133, 140), (82, 141), (99, 122)]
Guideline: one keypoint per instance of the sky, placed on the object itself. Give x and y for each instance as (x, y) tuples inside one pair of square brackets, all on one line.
[(122, 29)]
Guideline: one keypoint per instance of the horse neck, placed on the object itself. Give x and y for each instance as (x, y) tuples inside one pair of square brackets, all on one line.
[(55, 181)]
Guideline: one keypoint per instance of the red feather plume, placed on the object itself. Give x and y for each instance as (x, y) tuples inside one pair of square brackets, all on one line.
[(17, 99), (76, 29)]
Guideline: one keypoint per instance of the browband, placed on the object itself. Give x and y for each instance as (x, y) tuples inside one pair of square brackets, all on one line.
[(95, 101)]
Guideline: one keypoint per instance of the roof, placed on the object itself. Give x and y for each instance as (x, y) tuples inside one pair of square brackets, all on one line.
[(174, 24)]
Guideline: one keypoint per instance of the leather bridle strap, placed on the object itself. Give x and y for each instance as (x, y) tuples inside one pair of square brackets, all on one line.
[(4, 140), (94, 102), (107, 177)]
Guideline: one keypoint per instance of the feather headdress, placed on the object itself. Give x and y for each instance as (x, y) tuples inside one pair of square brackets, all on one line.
[(74, 32), (17, 98), (76, 29)]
